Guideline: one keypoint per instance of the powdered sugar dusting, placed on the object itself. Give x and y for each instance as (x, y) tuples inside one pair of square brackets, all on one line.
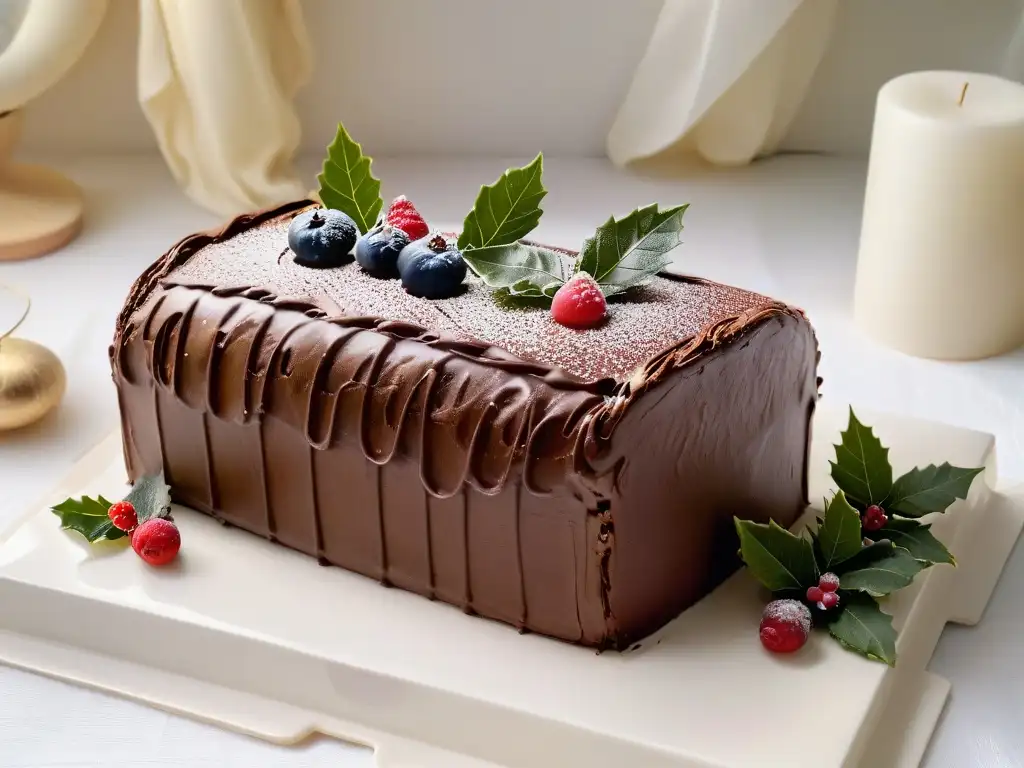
[(789, 612), (637, 328)]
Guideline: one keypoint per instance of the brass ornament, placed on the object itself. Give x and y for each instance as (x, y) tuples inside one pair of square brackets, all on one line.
[(32, 379)]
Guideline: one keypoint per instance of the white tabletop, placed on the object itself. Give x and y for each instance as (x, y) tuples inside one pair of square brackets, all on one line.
[(787, 227)]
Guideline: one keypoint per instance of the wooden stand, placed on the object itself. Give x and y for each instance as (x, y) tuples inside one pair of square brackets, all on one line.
[(40, 210)]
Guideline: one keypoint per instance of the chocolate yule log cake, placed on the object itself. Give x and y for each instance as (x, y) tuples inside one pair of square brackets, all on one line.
[(553, 439)]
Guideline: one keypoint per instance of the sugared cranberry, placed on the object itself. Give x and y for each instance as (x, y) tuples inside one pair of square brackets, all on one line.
[(814, 594), (829, 600), (157, 541), (785, 626), (829, 582), (874, 518)]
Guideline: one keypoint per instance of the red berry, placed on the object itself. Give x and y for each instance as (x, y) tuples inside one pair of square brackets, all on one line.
[(579, 303), (829, 582), (875, 518), (157, 541), (403, 215), (122, 515), (828, 600), (785, 626), (814, 594)]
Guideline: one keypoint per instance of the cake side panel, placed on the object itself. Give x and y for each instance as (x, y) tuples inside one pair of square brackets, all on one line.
[(727, 435), (383, 455)]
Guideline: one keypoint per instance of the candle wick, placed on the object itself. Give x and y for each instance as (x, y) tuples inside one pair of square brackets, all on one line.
[(963, 93)]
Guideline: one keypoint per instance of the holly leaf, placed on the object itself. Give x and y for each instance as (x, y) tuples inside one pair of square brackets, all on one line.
[(861, 468), (879, 569), (628, 252), (151, 497), (839, 534), (506, 210), (346, 183), (89, 517), (918, 540), (862, 627), (931, 489), (776, 557), (525, 270)]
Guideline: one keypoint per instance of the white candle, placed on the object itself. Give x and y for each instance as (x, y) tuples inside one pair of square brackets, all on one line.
[(940, 271)]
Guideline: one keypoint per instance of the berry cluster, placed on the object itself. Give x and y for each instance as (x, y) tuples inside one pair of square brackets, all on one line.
[(400, 246), (156, 540), (874, 518), (786, 624), (825, 595)]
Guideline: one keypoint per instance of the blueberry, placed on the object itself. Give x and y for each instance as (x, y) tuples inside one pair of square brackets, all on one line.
[(377, 251), (430, 269), (322, 238)]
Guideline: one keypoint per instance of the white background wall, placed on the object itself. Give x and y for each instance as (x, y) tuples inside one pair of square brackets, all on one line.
[(513, 77)]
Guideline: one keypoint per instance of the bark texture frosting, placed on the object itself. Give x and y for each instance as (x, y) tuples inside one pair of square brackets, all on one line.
[(577, 484)]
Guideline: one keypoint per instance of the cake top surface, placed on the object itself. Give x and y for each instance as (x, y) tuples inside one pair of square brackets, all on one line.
[(639, 325)]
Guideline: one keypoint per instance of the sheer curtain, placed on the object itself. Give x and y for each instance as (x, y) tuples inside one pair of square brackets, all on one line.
[(722, 79), (216, 82)]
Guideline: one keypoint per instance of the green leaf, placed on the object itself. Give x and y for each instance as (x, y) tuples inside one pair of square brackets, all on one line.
[(628, 252), (151, 497), (525, 270), (861, 468), (931, 489), (89, 517), (879, 568), (862, 626), (839, 535), (776, 557), (918, 540), (346, 183), (506, 210)]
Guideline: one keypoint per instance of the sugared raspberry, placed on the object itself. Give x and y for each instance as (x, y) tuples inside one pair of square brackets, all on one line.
[(157, 541), (875, 518), (579, 303), (122, 515), (814, 594), (828, 601), (829, 582), (785, 626), (403, 215)]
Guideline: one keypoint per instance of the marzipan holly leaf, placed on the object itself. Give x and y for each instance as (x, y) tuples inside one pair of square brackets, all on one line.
[(862, 626), (931, 489), (525, 270), (917, 539), (89, 517), (346, 183), (151, 497), (861, 468), (777, 558), (879, 569), (839, 535), (628, 252), (506, 210)]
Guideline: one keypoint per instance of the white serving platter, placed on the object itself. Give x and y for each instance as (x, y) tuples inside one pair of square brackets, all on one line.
[(262, 640)]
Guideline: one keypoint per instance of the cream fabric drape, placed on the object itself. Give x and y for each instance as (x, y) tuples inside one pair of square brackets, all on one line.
[(722, 79), (216, 82)]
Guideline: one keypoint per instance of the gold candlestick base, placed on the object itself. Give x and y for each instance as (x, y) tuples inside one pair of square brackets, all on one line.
[(40, 210)]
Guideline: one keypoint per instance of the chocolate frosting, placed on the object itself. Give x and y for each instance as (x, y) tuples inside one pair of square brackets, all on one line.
[(553, 488)]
